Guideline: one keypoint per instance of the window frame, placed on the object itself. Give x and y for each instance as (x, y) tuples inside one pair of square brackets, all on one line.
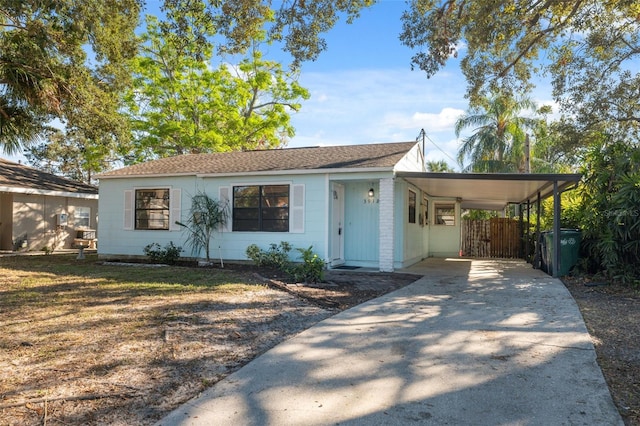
[(260, 217), (425, 209), (82, 213), (151, 210), (412, 206), (436, 215)]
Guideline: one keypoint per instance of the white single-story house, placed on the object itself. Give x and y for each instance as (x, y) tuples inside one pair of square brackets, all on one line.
[(357, 205), (39, 209)]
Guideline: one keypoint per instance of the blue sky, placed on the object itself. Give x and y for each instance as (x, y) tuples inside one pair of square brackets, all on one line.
[(364, 91)]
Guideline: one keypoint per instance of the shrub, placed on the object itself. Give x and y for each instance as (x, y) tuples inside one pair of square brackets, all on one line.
[(277, 256), (312, 267), (169, 254)]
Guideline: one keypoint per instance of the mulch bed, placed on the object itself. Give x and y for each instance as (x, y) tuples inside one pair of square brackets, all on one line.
[(612, 316)]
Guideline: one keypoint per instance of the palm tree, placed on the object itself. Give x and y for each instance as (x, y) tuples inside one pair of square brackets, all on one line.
[(497, 142), (439, 166)]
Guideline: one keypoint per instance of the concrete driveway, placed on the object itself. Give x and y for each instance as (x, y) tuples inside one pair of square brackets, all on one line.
[(474, 342)]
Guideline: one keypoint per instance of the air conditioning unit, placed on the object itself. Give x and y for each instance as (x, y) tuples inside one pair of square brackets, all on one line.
[(61, 219)]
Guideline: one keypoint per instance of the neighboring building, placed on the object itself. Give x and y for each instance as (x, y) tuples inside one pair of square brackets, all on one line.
[(357, 205), (39, 210)]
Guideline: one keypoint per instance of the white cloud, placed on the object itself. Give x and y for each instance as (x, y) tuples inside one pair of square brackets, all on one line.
[(366, 106), (445, 120)]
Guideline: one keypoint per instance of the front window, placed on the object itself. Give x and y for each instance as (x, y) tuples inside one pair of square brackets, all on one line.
[(445, 214), (82, 217), (152, 209), (261, 208)]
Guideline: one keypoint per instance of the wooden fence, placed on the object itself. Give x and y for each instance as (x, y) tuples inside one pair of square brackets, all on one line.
[(496, 237)]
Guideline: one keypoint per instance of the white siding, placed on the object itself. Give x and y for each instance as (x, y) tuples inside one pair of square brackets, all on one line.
[(412, 161), (128, 210), (296, 209), (386, 224), (224, 196), (311, 223), (175, 209)]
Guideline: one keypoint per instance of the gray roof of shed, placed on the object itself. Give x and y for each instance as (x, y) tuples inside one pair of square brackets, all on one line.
[(15, 177), (371, 156)]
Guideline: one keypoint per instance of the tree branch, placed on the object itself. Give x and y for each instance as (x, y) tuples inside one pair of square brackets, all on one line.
[(540, 36)]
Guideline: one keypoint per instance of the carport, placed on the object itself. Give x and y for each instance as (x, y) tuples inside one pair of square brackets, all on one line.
[(495, 191)]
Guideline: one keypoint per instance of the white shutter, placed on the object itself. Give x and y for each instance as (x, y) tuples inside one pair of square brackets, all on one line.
[(224, 196), (128, 210), (175, 209), (296, 210)]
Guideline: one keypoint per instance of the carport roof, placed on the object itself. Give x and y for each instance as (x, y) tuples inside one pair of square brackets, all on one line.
[(490, 191)]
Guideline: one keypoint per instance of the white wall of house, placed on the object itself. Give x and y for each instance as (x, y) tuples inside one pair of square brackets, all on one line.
[(116, 241), (444, 240), (412, 236), (114, 238), (233, 245), (413, 161), (410, 242)]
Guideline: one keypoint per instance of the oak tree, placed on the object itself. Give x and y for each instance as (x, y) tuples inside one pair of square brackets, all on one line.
[(589, 47)]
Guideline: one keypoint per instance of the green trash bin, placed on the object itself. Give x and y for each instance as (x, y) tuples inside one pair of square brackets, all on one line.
[(569, 250)]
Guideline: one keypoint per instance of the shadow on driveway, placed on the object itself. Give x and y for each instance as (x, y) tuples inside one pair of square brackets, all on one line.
[(473, 342)]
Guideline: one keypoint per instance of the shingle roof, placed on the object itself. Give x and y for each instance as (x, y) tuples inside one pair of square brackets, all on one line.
[(21, 177), (384, 155)]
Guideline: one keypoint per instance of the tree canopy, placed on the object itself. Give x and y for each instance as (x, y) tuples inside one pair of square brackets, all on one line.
[(62, 59), (298, 25), (587, 46), (182, 104), (68, 59)]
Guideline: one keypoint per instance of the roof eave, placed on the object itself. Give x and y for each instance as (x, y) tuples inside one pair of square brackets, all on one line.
[(256, 173), (33, 191)]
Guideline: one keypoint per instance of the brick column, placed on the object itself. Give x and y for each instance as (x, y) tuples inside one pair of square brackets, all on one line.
[(386, 223)]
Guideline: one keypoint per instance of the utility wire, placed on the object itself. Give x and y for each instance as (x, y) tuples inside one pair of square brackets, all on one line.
[(423, 134)]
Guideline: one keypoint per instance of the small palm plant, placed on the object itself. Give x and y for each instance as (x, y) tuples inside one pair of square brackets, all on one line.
[(205, 217)]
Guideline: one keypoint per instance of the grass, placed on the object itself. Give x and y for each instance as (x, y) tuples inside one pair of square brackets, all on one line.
[(73, 328)]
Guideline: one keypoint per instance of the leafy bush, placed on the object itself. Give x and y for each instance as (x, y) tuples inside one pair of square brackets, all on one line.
[(312, 267), (277, 256), (609, 214), (169, 254)]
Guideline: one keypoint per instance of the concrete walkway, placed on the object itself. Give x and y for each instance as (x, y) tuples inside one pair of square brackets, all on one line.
[(471, 343)]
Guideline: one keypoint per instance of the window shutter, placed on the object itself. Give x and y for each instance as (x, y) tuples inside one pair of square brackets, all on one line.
[(224, 197), (175, 209), (128, 210), (296, 211)]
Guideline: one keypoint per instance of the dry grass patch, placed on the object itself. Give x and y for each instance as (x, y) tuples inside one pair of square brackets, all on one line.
[(88, 343)]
